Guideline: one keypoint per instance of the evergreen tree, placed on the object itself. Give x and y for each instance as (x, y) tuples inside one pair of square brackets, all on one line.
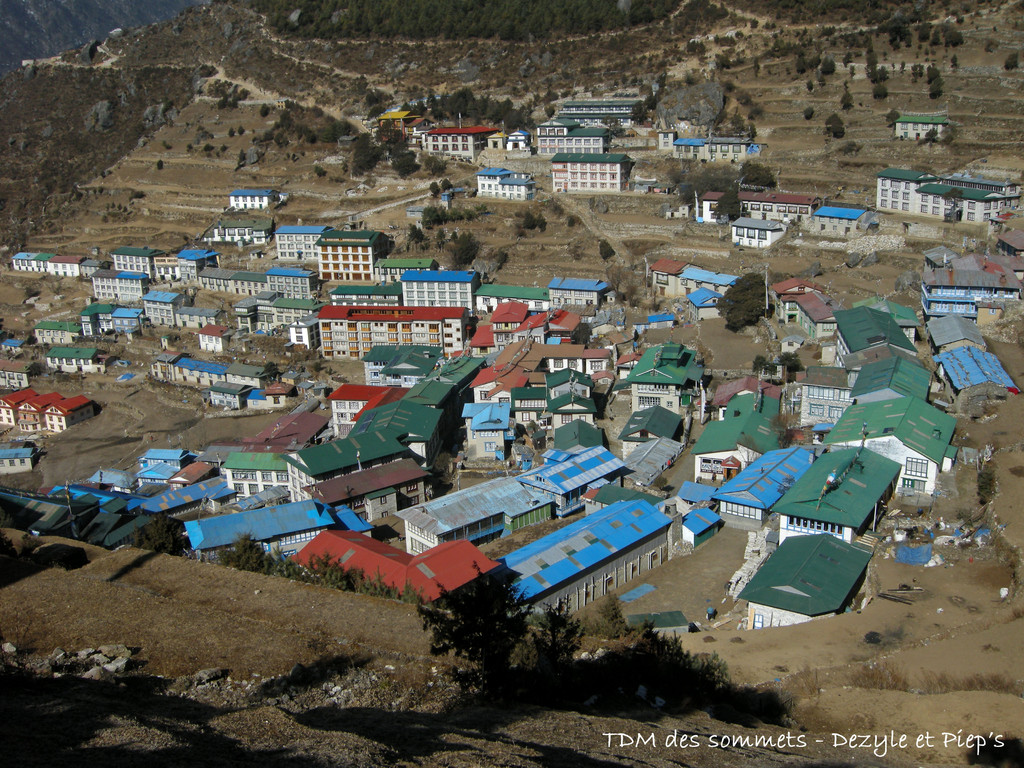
[(743, 303)]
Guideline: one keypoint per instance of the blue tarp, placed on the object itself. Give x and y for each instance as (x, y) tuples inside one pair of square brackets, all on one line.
[(636, 594), (914, 555)]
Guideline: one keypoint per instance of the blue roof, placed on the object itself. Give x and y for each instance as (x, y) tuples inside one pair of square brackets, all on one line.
[(132, 276), (563, 555), (969, 366), (215, 488), (494, 172), (253, 192), (128, 312), (203, 366), (437, 276), (577, 284), (165, 454), (113, 477), (565, 471), (291, 229), (705, 276), (197, 254), (13, 342), (689, 142), (766, 480), (694, 492), (157, 472), (831, 212), (660, 318), (262, 524), (487, 416), (256, 394), (132, 500), (164, 297), (16, 453), (289, 272), (700, 520), (703, 297)]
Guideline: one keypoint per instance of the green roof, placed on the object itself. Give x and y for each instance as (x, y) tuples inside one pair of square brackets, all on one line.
[(656, 421), (406, 264), (73, 353), (611, 493), (140, 252), (402, 420), (928, 119), (859, 479), (457, 370), (430, 393), (904, 315), (390, 289), (896, 373), (571, 403), (961, 192), (564, 375), (310, 305), (520, 394), (58, 325), (863, 328), (43, 256), (587, 132), (97, 309), (903, 174), (382, 353), (247, 460), (743, 425), (668, 364), (912, 421), (249, 277), (590, 157), (241, 369), (368, 236), (578, 432), (338, 455), (810, 575), (513, 292)]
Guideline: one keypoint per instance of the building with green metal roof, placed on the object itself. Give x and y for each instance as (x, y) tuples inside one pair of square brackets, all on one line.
[(806, 577), (745, 433), (648, 424), (416, 426), (890, 378), (906, 429), (577, 433), (248, 473), (666, 376), (862, 328), (842, 494), (339, 457), (569, 407)]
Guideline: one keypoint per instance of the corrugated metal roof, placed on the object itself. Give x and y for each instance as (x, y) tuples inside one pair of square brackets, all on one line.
[(566, 471), (767, 479), (263, 524), (503, 495), (561, 556), (970, 366), (169, 501)]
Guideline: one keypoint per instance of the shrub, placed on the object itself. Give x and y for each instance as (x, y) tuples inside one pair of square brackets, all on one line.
[(879, 91), (808, 113), (1012, 62), (834, 126), (159, 165), (608, 620)]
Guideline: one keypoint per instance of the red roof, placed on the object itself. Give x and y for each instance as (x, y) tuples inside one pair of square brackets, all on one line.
[(362, 392), (332, 312), (16, 366), (42, 402), (280, 388), (58, 259), (596, 354), (564, 319), (213, 330), (712, 196), (483, 338), (391, 395), (629, 357), (356, 484), (729, 389), (70, 404), (533, 321), (510, 312), (294, 429), (668, 266), (447, 566), (777, 197), (471, 131), (1013, 238), (192, 473), (795, 285), (17, 398)]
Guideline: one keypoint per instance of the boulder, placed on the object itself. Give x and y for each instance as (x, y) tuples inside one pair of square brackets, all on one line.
[(253, 155), (907, 281), (117, 666), (812, 271), (9, 648), (100, 117), (854, 260), (115, 651), (870, 260), (209, 675), (96, 673), (88, 52)]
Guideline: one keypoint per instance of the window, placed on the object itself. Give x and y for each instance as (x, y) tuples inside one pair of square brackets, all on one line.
[(916, 467)]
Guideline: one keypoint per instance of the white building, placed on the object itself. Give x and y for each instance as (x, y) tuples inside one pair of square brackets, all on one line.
[(298, 243), (305, 332), (240, 231), (505, 184), (439, 288), (563, 135), (252, 199), (110, 284), (213, 338), (130, 259), (757, 233), (459, 143), (581, 172)]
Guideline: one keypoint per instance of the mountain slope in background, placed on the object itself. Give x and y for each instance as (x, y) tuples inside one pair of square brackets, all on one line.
[(33, 29)]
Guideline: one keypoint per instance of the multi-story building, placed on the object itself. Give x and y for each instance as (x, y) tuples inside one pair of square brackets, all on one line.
[(896, 189), (65, 266), (292, 283), (213, 338), (127, 320), (391, 270), (824, 395), (76, 360), (351, 332), (192, 261), (350, 255), (488, 297), (666, 376), (505, 184), (305, 332), (952, 197), (131, 259), (197, 317), (564, 135), (96, 319), (298, 243), (730, 149), (14, 374), (833, 221), (248, 473), (778, 206), (460, 143), (252, 199), (110, 284), (965, 284), (757, 233), (572, 172), (439, 288), (162, 306), (599, 111), (56, 332), (573, 290), (30, 262), (367, 295), (255, 231), (910, 126)]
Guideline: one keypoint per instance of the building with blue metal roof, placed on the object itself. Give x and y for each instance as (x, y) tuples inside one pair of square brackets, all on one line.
[(282, 529), (593, 556), (489, 430), (439, 287), (208, 494), (699, 525), (964, 368), (847, 214), (834, 221), (702, 304), (566, 475), (564, 291), (746, 500)]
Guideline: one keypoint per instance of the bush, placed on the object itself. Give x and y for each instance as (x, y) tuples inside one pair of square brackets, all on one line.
[(605, 250), (264, 110), (608, 620), (986, 484), (1012, 62), (744, 302), (808, 113), (159, 165), (834, 126), (879, 91)]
